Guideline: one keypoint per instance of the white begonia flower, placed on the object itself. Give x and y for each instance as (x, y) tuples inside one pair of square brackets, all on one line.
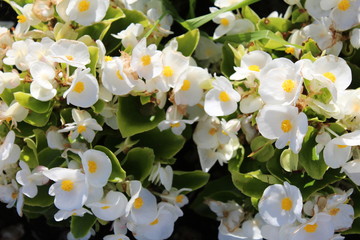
[(71, 52), (188, 89), (226, 3), (145, 61), (319, 227), (162, 225), (6, 40), (165, 23), (111, 207), (281, 204), (164, 175), (355, 38), (114, 79), (15, 112), (249, 230), (142, 207), (84, 124), (349, 103), (242, 26), (40, 51), (208, 50), (97, 167), (280, 82), (65, 214), (250, 103), (9, 151), (116, 237), (352, 170), (88, 235), (322, 139), (26, 19), (85, 12), (9, 193), (345, 14), (225, 20), (70, 188), (230, 213), (43, 86), (9, 80), (175, 197), (283, 123), (31, 179), (338, 151), (109, 114), (208, 133), (17, 54), (251, 65), (56, 140), (316, 8), (222, 99), (84, 89), (129, 35)]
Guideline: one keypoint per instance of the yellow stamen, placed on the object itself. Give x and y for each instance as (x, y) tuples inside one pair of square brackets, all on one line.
[(92, 166), (156, 221), (330, 76), (83, 6), (286, 125), (334, 211), (14, 195), (21, 19), (175, 125), (286, 204), (254, 68), (290, 50), (167, 71), (179, 198), (225, 22), (81, 128), (146, 60), (186, 85), (224, 97), (212, 131), (108, 58), (118, 74), (8, 119), (310, 228), (105, 207), (288, 85), (138, 203), (79, 87), (67, 185), (344, 5), (341, 146), (70, 58)]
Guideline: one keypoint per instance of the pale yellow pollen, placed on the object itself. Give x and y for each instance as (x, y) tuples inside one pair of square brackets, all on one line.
[(92, 166), (286, 204), (8, 119), (341, 146), (224, 21), (286, 125), (168, 71), (73, 214), (330, 76), (108, 58), (290, 50), (288, 85), (175, 125), (21, 19), (14, 195), (79, 87), (83, 6), (334, 211), (225, 133), (70, 58), (138, 203), (156, 221), (179, 198), (146, 60), (119, 76), (81, 128), (310, 228), (186, 85), (344, 5), (67, 185), (212, 131), (105, 207), (224, 97), (254, 68)]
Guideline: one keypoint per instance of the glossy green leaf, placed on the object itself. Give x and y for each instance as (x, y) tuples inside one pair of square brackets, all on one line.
[(94, 57), (29, 156), (249, 14), (311, 46), (41, 141), (117, 173), (262, 149), (227, 64), (299, 15), (42, 199), (188, 42), (289, 161), (50, 158), (134, 118), (80, 226), (275, 24), (194, 179), (27, 101), (38, 119), (323, 95), (138, 162)]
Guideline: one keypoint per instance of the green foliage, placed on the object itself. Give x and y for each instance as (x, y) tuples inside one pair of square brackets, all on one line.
[(262, 149), (188, 42), (27, 101), (138, 162), (275, 24), (80, 226), (117, 173), (193, 180)]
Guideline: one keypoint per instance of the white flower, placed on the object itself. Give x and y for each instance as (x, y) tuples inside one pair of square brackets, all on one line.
[(26, 19), (283, 123), (208, 133), (355, 38), (84, 124), (226, 22), (226, 3), (9, 80), (97, 167), (175, 197), (130, 34), (281, 204), (230, 213), (40, 51), (71, 52), (111, 207), (9, 151), (84, 89), (165, 23), (70, 189), (15, 112), (249, 230), (208, 50), (30, 180), (17, 54), (319, 227), (345, 14), (43, 86), (164, 175), (65, 214), (352, 170), (222, 99)]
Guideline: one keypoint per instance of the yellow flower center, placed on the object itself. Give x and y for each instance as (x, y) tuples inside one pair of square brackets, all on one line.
[(186, 85), (146, 60), (67, 185), (138, 203), (254, 68), (175, 125), (70, 58), (21, 19), (290, 50), (334, 211), (341, 146), (81, 128), (79, 87), (119, 76), (92, 166), (156, 221), (212, 131), (83, 6), (310, 228), (330, 76), (286, 204), (168, 71), (225, 22), (14, 195), (105, 207), (288, 85), (344, 5), (179, 198), (108, 58), (286, 125), (223, 96)]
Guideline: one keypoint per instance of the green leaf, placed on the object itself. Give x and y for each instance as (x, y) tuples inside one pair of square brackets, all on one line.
[(274, 24), (308, 158), (289, 161), (50, 158), (249, 14), (138, 162), (117, 173), (355, 228), (80, 226), (41, 141), (38, 119), (98, 106), (134, 118), (94, 57), (188, 42), (42, 199), (194, 179), (227, 64), (262, 149), (299, 15), (313, 116), (324, 95), (311, 46), (165, 144), (192, 5), (27, 101), (29, 156)]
